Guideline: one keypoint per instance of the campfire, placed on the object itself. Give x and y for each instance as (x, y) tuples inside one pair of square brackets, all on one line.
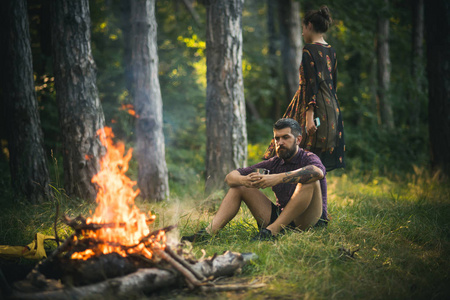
[(118, 246), (117, 225)]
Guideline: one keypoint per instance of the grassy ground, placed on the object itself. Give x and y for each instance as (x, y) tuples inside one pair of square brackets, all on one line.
[(399, 228)]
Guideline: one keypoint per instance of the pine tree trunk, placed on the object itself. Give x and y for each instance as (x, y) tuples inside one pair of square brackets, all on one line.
[(417, 63), (28, 163), (291, 44), (273, 61), (226, 147), (150, 148), (80, 112), (125, 18), (437, 14), (384, 65)]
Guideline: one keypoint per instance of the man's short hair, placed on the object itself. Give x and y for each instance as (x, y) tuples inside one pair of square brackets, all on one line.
[(296, 130)]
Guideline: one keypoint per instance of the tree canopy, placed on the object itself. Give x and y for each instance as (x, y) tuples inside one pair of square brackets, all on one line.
[(181, 41)]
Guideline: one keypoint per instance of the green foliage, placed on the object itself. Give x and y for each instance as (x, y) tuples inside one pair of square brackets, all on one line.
[(108, 50), (385, 204), (398, 229), (182, 75)]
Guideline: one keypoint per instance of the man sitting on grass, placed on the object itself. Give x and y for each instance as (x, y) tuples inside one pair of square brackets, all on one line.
[(297, 178)]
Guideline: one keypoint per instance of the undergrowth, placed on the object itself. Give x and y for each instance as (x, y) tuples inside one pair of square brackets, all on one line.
[(398, 230)]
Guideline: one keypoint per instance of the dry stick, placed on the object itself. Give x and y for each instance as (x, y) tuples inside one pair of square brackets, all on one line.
[(184, 263), (150, 236), (156, 232), (180, 268), (231, 287), (56, 222), (62, 247), (79, 223)]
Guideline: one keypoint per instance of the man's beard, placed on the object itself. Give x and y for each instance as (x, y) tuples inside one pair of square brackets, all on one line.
[(286, 153)]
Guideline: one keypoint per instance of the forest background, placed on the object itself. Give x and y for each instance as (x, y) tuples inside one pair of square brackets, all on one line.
[(370, 146), (390, 201)]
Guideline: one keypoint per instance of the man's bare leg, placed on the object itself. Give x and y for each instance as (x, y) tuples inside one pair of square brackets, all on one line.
[(260, 207), (304, 208)]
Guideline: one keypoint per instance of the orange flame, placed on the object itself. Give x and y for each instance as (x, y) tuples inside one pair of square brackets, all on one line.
[(130, 109), (123, 225)]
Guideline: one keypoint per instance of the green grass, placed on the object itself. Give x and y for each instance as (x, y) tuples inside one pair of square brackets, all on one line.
[(400, 227)]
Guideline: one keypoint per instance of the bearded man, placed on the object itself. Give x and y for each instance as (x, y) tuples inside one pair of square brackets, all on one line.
[(297, 178)]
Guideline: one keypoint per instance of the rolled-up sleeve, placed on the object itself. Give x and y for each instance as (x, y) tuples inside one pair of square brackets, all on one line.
[(312, 159)]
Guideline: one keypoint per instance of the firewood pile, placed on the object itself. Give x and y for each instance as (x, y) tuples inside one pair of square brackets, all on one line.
[(115, 276)]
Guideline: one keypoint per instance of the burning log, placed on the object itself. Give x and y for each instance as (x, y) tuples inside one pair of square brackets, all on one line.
[(142, 281)]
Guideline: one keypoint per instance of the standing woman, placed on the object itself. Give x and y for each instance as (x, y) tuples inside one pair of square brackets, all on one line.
[(316, 96)]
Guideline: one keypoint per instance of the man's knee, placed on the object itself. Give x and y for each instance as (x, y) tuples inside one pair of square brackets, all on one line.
[(240, 190), (311, 185)]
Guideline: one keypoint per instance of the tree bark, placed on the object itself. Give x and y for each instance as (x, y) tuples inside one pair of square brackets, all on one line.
[(437, 14), (384, 65), (80, 112), (291, 44), (417, 63), (125, 18), (226, 147), (273, 61), (27, 160), (150, 148)]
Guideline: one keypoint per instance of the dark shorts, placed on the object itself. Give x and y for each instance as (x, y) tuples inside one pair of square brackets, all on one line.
[(276, 211)]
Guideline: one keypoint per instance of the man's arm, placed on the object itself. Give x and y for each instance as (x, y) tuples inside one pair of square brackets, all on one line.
[(234, 179), (306, 174)]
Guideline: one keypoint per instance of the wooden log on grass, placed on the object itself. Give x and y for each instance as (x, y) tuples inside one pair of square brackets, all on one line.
[(143, 281)]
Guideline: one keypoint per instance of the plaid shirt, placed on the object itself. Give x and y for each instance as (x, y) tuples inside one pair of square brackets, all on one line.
[(284, 191)]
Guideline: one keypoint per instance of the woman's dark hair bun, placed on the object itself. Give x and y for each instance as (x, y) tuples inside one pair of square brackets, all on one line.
[(320, 19), (325, 12)]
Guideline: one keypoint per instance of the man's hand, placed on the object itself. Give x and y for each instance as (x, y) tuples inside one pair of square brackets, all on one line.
[(253, 180), (265, 181), (250, 181), (235, 179)]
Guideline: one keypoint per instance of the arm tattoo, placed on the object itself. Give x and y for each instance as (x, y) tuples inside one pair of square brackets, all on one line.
[(304, 175)]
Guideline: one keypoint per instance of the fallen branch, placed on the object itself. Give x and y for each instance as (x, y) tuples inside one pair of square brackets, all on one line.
[(188, 275), (79, 224), (184, 263), (231, 287)]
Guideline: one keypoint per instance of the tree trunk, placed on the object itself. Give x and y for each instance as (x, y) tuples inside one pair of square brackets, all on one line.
[(417, 64), (125, 15), (437, 14), (384, 65), (291, 44), (226, 147), (152, 175), (28, 163), (80, 112), (273, 61)]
